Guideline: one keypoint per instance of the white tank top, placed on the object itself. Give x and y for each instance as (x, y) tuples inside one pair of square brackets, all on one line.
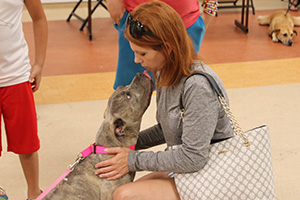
[(14, 60)]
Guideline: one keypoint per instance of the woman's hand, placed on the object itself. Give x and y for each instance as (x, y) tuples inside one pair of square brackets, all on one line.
[(115, 167)]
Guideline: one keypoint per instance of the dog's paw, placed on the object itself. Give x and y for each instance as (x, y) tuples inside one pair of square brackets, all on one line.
[(263, 20), (296, 21), (274, 38)]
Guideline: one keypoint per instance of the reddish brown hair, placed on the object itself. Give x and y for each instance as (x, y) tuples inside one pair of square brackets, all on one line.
[(172, 40)]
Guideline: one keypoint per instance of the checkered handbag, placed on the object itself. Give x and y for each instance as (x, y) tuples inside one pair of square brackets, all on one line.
[(239, 168)]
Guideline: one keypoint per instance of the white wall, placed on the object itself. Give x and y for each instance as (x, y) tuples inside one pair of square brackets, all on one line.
[(60, 1), (57, 1)]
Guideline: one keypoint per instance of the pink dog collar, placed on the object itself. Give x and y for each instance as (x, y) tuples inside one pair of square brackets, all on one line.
[(97, 149)]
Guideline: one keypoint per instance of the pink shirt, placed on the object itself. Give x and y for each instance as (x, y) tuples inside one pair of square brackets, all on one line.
[(187, 9)]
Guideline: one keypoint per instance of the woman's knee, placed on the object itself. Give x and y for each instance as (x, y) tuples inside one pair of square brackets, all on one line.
[(28, 156), (124, 193)]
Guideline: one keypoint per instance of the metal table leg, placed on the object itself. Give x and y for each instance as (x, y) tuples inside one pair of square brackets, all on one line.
[(243, 25)]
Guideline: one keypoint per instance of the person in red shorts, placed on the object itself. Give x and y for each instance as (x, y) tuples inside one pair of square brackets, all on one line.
[(18, 81)]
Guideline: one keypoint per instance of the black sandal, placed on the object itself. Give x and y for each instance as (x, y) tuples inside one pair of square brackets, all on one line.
[(295, 5)]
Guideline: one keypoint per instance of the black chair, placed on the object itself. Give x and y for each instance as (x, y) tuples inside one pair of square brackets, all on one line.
[(222, 2), (90, 12)]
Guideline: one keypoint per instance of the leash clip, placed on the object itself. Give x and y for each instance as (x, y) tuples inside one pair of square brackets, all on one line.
[(78, 160)]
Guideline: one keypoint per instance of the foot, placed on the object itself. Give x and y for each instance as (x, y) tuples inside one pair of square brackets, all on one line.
[(293, 4), (38, 194), (293, 8), (3, 195)]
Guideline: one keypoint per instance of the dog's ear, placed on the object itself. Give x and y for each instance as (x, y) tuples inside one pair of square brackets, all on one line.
[(119, 127), (105, 113), (294, 31)]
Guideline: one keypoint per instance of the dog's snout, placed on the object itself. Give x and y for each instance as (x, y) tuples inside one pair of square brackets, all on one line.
[(290, 43), (140, 75)]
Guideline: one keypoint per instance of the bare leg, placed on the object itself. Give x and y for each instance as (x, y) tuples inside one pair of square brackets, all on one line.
[(30, 165), (293, 7), (156, 185)]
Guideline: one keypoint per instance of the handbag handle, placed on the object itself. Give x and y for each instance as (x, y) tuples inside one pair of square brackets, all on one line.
[(234, 124)]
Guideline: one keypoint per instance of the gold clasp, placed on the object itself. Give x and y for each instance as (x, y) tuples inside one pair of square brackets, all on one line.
[(182, 114), (225, 151)]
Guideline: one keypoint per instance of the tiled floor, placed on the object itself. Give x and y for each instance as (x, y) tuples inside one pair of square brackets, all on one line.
[(262, 78)]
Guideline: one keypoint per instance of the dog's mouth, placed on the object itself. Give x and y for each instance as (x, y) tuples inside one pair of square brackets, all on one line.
[(146, 73), (287, 43)]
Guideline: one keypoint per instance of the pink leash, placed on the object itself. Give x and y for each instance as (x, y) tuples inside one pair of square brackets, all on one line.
[(81, 156)]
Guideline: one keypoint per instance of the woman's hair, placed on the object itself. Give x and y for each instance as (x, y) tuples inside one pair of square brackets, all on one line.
[(171, 39)]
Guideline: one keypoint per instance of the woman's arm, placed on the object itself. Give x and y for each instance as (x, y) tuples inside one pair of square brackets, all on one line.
[(150, 137), (116, 10), (208, 17)]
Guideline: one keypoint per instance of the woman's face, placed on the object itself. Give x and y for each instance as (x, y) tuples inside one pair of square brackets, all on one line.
[(150, 59)]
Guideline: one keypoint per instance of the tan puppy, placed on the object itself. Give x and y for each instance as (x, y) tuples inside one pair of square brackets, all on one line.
[(281, 26)]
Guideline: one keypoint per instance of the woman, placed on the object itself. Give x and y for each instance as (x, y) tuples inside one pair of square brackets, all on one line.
[(119, 9), (161, 44)]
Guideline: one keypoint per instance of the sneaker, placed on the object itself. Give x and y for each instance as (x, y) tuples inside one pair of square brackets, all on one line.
[(3, 195)]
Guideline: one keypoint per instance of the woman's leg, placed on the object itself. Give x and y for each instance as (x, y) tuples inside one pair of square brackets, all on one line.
[(156, 185), (30, 165)]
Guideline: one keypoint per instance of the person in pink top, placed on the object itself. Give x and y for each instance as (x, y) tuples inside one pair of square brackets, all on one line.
[(119, 10)]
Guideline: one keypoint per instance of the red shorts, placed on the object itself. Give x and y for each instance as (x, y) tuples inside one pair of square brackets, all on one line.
[(18, 110)]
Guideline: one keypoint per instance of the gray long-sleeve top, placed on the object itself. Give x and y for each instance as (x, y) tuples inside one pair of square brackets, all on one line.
[(204, 121)]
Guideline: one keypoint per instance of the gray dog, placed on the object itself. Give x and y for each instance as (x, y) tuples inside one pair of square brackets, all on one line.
[(120, 128)]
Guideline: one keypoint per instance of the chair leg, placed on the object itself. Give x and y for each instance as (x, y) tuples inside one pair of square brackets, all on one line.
[(73, 11), (97, 4), (252, 6)]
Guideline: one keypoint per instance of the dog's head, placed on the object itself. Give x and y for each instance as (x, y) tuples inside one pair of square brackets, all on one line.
[(285, 35), (126, 107)]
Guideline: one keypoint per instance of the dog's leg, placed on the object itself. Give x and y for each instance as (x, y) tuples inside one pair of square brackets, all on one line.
[(274, 37), (296, 21), (264, 20)]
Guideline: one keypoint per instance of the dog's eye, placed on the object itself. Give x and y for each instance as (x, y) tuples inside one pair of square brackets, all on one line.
[(292, 35), (128, 95), (285, 35)]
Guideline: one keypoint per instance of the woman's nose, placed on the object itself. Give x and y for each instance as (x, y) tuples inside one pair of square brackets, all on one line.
[(137, 59)]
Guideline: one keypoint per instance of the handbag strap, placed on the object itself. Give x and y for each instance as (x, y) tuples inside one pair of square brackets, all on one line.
[(211, 81), (214, 85)]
